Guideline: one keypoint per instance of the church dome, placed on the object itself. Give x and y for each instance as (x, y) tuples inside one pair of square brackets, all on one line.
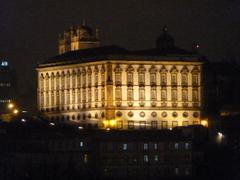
[(165, 41), (85, 31)]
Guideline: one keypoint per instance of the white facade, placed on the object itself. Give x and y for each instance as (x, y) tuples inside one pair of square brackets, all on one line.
[(123, 94)]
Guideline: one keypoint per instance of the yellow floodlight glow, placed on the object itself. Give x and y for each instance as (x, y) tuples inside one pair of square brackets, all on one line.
[(112, 123), (204, 123), (15, 111), (10, 105)]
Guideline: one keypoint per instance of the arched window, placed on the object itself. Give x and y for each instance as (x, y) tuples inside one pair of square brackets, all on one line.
[(118, 94), (163, 76), (47, 82), (130, 71), (89, 72), (184, 74), (153, 75), (141, 75), (52, 82), (174, 72), (63, 81), (195, 76), (73, 79), (118, 75)]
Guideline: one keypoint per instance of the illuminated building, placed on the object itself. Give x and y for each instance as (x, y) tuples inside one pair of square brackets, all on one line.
[(6, 85), (112, 87)]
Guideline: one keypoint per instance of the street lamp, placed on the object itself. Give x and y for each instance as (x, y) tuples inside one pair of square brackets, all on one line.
[(15, 111), (10, 105)]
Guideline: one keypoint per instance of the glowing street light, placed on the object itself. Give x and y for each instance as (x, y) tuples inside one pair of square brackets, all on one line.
[(10, 105), (15, 111)]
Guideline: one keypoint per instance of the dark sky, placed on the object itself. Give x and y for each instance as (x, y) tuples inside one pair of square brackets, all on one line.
[(29, 28)]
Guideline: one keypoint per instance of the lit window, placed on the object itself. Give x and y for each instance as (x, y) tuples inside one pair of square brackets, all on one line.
[(155, 157), (85, 158), (118, 77), (141, 78), (174, 94), (176, 171), (118, 94), (153, 94), (145, 158), (174, 79), (153, 78), (176, 146), (130, 94), (125, 146), (4, 63), (81, 143), (187, 146), (184, 95), (195, 79), (184, 79), (141, 94), (129, 77), (195, 95), (145, 146), (130, 124), (155, 145), (142, 124), (163, 78), (163, 94), (154, 124)]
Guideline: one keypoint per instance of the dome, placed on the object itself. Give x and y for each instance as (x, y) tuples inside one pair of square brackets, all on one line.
[(85, 31), (165, 41)]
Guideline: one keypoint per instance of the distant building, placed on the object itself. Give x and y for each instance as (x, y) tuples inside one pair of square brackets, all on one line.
[(7, 85), (76, 38), (112, 87)]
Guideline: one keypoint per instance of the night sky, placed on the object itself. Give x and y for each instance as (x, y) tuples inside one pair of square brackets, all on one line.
[(29, 28)]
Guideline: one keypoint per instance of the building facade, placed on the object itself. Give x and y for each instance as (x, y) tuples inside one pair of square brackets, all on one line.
[(114, 88)]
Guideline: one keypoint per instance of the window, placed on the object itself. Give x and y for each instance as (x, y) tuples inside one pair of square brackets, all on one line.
[(187, 146), (155, 146), (57, 82), (130, 94), (164, 95), (89, 79), (184, 79), (41, 99), (96, 78), (125, 147), (185, 123), (153, 78), (96, 94), (184, 95), (78, 79), (164, 125), (68, 80), (145, 158), (118, 78), (81, 144), (63, 81), (73, 96), (73, 80), (57, 98), (84, 80), (68, 97), (153, 94), (145, 146), (129, 78), (89, 95), (103, 94), (155, 157), (195, 79), (195, 95), (130, 124), (176, 146), (52, 82), (62, 98), (85, 158), (174, 79), (154, 124), (141, 94), (119, 124), (103, 78), (142, 124), (52, 98), (141, 77), (79, 96), (163, 79), (174, 94), (174, 124), (176, 171), (84, 95), (47, 82), (118, 94)]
